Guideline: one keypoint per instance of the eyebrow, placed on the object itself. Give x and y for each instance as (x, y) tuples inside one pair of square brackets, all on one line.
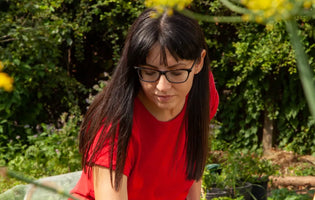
[(172, 66)]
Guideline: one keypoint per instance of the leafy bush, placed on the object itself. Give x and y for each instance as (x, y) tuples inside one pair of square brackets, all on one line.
[(229, 198), (285, 194), (52, 151), (55, 50), (226, 198), (30, 48), (305, 169), (256, 76), (257, 79), (233, 169)]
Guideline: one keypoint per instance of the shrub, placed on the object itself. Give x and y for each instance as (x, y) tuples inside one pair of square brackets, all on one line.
[(52, 151), (30, 48), (285, 194), (257, 79)]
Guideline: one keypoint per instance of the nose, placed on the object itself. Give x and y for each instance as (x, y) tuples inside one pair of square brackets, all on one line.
[(163, 84)]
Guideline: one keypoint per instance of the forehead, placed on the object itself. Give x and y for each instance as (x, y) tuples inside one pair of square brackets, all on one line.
[(156, 56)]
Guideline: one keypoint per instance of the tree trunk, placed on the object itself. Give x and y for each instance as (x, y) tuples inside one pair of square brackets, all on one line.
[(293, 181), (267, 134)]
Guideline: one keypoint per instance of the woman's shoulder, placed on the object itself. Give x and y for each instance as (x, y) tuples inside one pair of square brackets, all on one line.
[(214, 96)]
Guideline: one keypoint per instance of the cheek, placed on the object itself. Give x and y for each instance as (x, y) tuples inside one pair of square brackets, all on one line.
[(147, 87), (190, 81), (185, 89)]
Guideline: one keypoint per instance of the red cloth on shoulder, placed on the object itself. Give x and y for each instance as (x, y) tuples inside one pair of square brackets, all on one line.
[(214, 97)]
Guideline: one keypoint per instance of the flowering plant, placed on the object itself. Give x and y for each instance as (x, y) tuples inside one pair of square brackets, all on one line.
[(161, 4), (6, 82)]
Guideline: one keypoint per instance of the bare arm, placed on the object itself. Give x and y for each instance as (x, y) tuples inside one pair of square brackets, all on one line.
[(103, 187), (195, 191)]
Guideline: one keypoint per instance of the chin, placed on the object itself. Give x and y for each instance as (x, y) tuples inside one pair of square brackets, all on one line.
[(165, 106)]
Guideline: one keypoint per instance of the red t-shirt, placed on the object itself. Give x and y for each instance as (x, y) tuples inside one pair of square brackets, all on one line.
[(155, 163)]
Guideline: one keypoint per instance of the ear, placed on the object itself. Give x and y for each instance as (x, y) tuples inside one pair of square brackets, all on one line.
[(199, 65)]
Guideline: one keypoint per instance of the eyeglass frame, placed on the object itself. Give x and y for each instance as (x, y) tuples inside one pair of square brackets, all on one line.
[(164, 73)]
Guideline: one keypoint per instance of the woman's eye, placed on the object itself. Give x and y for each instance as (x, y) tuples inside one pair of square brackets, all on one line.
[(177, 72), (149, 72)]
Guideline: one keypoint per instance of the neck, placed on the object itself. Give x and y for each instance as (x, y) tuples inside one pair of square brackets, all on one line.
[(160, 114)]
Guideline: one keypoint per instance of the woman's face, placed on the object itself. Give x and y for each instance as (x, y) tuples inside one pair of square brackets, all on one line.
[(162, 98)]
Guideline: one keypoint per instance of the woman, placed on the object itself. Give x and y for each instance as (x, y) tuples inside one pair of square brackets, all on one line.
[(145, 135)]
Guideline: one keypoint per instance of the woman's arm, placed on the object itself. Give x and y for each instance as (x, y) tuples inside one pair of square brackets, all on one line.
[(195, 191), (103, 188)]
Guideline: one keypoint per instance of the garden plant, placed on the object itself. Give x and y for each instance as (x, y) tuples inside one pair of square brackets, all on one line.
[(232, 170)]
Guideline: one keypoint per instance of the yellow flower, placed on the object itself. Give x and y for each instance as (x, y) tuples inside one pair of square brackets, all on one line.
[(245, 17), (307, 4), (6, 82), (259, 19), (265, 9), (256, 5), (178, 4)]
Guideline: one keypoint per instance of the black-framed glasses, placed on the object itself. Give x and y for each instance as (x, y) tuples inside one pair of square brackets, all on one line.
[(173, 76)]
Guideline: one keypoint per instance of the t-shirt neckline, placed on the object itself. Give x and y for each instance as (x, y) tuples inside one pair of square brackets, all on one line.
[(151, 118)]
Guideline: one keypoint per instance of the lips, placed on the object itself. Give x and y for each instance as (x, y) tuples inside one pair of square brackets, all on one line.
[(164, 98)]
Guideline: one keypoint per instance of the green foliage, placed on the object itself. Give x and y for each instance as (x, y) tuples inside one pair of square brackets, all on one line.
[(304, 169), (6, 183), (285, 194), (226, 198), (51, 48), (235, 168), (211, 177), (251, 167), (257, 79), (309, 171), (32, 34), (229, 198), (100, 30), (54, 50), (52, 151)]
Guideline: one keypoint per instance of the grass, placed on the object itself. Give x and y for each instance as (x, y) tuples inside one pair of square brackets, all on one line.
[(7, 183)]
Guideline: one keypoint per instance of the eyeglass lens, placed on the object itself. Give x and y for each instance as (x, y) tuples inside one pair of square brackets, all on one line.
[(175, 76)]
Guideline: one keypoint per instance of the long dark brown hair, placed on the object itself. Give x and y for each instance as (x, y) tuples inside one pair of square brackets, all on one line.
[(112, 109)]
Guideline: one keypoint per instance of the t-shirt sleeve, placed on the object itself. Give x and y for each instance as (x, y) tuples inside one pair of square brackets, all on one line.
[(85, 187), (104, 155), (214, 97)]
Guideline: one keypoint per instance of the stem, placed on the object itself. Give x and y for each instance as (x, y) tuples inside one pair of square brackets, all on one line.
[(7, 40), (27, 180), (308, 13), (234, 7), (305, 72), (223, 19)]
